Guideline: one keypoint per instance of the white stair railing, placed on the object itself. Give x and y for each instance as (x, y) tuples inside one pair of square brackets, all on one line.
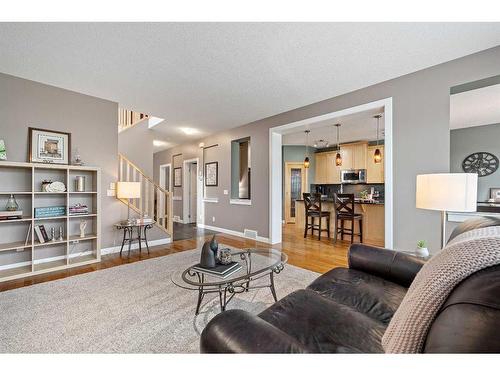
[(155, 201)]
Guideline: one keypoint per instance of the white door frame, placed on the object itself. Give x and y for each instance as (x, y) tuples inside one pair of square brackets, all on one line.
[(275, 166), (162, 176), (185, 192)]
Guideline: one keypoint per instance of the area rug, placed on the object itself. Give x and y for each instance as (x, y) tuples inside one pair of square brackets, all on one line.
[(133, 308)]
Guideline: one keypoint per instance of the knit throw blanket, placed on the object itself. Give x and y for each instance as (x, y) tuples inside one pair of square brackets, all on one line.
[(466, 254)]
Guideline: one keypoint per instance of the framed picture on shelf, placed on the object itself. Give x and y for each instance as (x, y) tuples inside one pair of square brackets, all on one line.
[(211, 173), (178, 177), (49, 146), (495, 194)]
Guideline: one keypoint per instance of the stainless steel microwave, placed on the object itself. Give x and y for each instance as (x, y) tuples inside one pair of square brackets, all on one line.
[(353, 176)]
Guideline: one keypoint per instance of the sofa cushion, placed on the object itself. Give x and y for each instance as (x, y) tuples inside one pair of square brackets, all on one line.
[(368, 294), (324, 325)]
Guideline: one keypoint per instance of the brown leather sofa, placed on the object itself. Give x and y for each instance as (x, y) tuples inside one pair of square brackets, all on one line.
[(347, 310)]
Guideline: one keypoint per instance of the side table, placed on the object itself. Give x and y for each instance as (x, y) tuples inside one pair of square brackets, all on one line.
[(128, 235)]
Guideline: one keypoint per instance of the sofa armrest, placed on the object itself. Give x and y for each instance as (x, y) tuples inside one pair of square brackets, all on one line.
[(391, 265), (237, 331)]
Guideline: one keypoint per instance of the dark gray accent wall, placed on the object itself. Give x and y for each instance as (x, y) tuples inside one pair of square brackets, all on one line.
[(91, 121), (421, 138), (464, 142)]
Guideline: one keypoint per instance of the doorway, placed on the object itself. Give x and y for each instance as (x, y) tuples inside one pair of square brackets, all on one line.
[(191, 198), (165, 176), (276, 165), (295, 185)]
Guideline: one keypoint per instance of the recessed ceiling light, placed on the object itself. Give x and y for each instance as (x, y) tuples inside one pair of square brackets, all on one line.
[(189, 131), (158, 143)]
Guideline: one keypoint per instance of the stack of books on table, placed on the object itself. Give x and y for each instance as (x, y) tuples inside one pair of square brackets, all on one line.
[(78, 209), (11, 215), (220, 270), (54, 211), (144, 220)]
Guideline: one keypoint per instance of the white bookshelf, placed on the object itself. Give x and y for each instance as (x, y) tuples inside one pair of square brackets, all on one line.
[(23, 180)]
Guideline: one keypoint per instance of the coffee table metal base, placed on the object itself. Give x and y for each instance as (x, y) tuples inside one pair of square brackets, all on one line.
[(228, 291)]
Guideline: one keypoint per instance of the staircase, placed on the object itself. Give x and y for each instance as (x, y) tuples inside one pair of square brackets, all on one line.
[(155, 201), (127, 118)]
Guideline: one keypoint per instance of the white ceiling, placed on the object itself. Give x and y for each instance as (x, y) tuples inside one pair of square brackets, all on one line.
[(214, 76), (360, 126), (475, 107)]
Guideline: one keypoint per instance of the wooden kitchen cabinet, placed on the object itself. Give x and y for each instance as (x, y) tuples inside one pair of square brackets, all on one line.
[(354, 155), (359, 155), (321, 168), (332, 171), (374, 172)]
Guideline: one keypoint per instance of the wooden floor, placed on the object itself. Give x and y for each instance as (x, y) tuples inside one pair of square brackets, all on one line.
[(308, 253)]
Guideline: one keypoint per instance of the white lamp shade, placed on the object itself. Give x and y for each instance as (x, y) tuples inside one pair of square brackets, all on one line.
[(128, 190), (447, 192)]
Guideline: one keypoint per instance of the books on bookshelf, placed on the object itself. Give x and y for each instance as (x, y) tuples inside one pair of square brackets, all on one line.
[(11, 215), (53, 211), (220, 270), (78, 209), (41, 234)]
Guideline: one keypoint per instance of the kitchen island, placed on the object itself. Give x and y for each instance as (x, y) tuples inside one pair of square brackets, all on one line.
[(373, 220)]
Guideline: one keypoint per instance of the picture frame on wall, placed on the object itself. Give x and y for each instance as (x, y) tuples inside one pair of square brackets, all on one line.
[(3, 150), (212, 173), (48, 146), (178, 177)]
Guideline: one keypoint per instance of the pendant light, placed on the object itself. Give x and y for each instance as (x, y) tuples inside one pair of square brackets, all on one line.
[(306, 160), (338, 157), (377, 155)]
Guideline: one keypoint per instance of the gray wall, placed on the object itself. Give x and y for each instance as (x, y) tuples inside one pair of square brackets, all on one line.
[(136, 144), (464, 142), (421, 103), (91, 121)]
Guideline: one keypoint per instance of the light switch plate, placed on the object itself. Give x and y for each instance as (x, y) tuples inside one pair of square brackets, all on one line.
[(112, 186), (226, 192), (110, 193)]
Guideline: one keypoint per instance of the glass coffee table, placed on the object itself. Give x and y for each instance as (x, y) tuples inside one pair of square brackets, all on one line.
[(255, 264)]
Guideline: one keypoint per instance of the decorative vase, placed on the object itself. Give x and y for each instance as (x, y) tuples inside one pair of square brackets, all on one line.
[(207, 259), (422, 252), (11, 204), (224, 256)]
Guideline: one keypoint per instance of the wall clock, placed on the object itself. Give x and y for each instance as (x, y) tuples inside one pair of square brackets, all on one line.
[(482, 163)]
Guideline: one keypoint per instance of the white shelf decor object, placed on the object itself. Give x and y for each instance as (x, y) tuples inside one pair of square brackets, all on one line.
[(19, 258)]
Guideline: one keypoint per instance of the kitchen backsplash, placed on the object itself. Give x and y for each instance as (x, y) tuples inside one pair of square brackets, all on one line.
[(356, 189)]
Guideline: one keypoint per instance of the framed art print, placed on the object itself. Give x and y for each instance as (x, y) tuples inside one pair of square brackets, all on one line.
[(178, 177), (3, 151), (49, 146), (211, 173)]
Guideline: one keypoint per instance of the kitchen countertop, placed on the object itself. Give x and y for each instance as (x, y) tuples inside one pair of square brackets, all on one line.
[(331, 200)]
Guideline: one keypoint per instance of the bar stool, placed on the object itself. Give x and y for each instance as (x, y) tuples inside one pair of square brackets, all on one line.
[(312, 204), (344, 210)]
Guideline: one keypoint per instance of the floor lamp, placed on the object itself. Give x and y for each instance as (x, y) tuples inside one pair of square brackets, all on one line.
[(447, 192), (128, 191)]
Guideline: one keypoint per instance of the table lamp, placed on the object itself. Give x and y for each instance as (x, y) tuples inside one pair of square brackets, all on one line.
[(447, 192), (128, 191)]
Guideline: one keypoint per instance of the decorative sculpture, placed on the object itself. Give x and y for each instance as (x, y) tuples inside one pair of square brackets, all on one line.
[(83, 225), (214, 245), (207, 259), (61, 234)]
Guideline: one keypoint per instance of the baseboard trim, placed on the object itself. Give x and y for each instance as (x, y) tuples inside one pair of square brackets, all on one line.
[(232, 232), (135, 246)]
